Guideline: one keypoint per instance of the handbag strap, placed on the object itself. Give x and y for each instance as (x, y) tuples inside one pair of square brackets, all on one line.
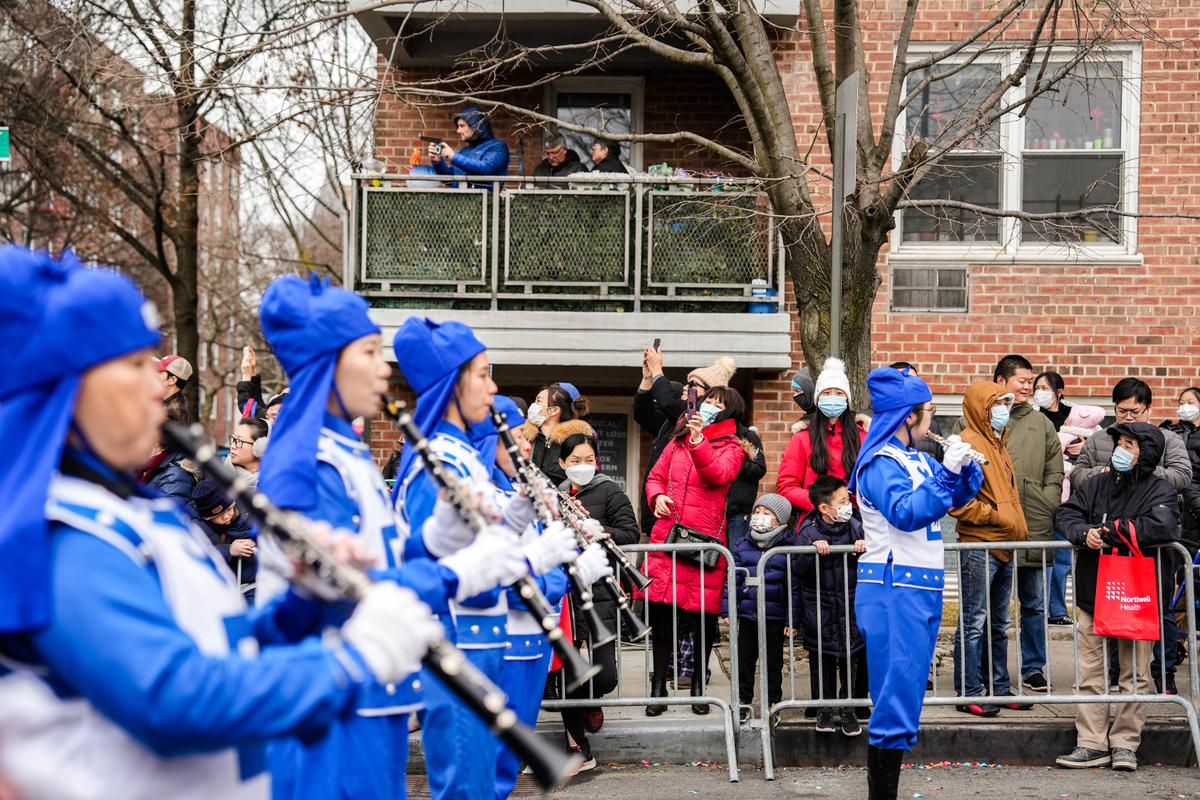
[(675, 506)]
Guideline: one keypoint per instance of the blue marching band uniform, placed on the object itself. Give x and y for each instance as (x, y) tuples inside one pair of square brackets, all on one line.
[(130, 665), (903, 495)]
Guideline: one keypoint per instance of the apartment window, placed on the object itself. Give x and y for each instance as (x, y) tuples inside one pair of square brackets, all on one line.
[(613, 105), (1072, 149), (929, 289)]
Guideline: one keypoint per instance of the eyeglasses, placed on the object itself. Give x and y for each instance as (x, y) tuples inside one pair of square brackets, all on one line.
[(1128, 413), (697, 385), (235, 442)]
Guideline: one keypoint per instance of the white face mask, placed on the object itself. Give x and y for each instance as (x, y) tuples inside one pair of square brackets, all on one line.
[(761, 523), (536, 415), (844, 513), (581, 474), (1043, 398), (1188, 412)]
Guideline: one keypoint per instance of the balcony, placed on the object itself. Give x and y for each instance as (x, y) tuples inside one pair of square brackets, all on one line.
[(694, 259)]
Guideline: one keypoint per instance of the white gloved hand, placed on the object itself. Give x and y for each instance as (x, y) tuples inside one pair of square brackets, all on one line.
[(956, 454), (593, 529), (592, 565), (391, 629), (446, 531), (555, 546), (492, 560), (517, 513)]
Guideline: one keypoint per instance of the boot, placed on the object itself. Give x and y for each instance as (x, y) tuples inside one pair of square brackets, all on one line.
[(883, 772), (697, 690), (658, 688)]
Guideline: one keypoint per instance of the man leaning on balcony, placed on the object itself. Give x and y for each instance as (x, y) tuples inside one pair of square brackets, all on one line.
[(481, 152)]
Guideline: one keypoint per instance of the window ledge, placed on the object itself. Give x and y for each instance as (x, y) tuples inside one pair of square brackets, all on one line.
[(975, 255)]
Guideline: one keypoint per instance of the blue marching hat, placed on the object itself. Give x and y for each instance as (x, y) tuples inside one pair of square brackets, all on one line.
[(484, 435), (57, 320), (430, 355), (570, 389), (307, 323), (894, 392)]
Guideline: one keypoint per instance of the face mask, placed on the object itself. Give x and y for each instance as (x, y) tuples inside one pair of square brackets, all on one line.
[(761, 523), (581, 474), (1043, 398), (833, 406), (804, 402), (708, 413), (1122, 460), (999, 418), (1189, 412), (844, 513), (535, 416)]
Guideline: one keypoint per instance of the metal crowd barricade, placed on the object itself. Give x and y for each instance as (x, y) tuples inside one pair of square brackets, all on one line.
[(934, 697), (727, 706)]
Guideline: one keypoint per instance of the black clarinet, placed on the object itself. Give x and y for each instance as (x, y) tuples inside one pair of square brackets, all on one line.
[(577, 668), (535, 481), (575, 516), (295, 533), (628, 569)]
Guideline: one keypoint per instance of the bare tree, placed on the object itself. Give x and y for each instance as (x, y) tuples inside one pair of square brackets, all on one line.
[(733, 41)]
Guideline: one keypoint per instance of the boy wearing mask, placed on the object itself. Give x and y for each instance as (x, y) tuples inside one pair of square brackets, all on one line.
[(826, 586)]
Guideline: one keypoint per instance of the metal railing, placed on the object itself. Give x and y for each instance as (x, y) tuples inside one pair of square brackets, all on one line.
[(768, 710), (726, 706), (506, 242)]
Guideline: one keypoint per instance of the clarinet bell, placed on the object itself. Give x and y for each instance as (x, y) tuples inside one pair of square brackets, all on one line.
[(576, 668), (637, 627), (601, 635), (636, 578)]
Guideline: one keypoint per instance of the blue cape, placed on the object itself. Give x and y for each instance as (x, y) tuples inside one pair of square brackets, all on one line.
[(484, 435), (57, 320), (307, 323), (893, 394), (430, 355)]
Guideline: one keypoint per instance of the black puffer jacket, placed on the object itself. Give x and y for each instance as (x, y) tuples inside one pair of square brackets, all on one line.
[(1189, 498), (658, 410), (828, 579), (1118, 498), (545, 457), (604, 502)]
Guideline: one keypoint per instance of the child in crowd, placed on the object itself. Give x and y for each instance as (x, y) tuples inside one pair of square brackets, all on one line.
[(1079, 426), (768, 528), (826, 593)]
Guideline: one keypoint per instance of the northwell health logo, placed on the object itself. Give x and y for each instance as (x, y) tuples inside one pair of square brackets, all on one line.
[(1115, 591)]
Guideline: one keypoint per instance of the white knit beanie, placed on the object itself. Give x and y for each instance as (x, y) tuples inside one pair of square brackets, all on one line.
[(833, 376)]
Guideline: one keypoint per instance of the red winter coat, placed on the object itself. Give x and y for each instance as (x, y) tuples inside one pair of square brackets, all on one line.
[(795, 470), (697, 478)]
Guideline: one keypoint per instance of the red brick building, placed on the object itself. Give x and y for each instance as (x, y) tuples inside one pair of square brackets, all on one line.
[(959, 291)]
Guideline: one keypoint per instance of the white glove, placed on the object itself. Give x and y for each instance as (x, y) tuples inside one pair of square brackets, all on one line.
[(593, 529), (517, 513), (492, 560), (956, 454), (446, 531), (555, 546), (391, 629), (592, 565)]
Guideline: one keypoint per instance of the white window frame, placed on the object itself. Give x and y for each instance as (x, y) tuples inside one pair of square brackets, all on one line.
[(636, 87), (1010, 248)]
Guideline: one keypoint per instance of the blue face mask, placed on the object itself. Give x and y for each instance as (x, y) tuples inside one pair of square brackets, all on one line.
[(833, 406), (708, 413), (1122, 460), (999, 418)]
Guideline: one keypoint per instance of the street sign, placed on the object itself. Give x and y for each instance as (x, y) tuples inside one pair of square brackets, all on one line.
[(4, 150), (845, 176)]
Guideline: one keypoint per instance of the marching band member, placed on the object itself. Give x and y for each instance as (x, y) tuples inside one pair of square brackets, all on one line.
[(317, 464), (129, 664), (903, 494), (447, 368)]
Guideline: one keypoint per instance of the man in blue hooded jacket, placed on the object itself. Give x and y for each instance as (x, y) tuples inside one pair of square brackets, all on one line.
[(481, 154)]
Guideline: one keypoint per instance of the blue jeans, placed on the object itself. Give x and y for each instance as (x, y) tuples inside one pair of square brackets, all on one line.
[(1057, 590), (1031, 583), (985, 582)]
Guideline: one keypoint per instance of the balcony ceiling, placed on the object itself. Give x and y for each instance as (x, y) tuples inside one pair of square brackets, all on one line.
[(582, 339), (437, 33)]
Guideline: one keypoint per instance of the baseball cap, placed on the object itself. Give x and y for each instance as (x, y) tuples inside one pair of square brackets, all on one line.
[(177, 366)]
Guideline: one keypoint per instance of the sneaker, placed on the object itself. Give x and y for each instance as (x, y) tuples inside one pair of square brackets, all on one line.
[(1036, 682), (1124, 760), (862, 712), (587, 764), (593, 720), (850, 724), (1013, 705), (1169, 688), (1061, 621), (978, 709), (1084, 757), (825, 721)]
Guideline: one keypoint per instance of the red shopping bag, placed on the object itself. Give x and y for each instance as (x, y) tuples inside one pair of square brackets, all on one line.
[(564, 622), (1127, 593)]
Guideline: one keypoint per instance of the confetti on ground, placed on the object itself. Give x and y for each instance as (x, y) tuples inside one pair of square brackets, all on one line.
[(955, 765)]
